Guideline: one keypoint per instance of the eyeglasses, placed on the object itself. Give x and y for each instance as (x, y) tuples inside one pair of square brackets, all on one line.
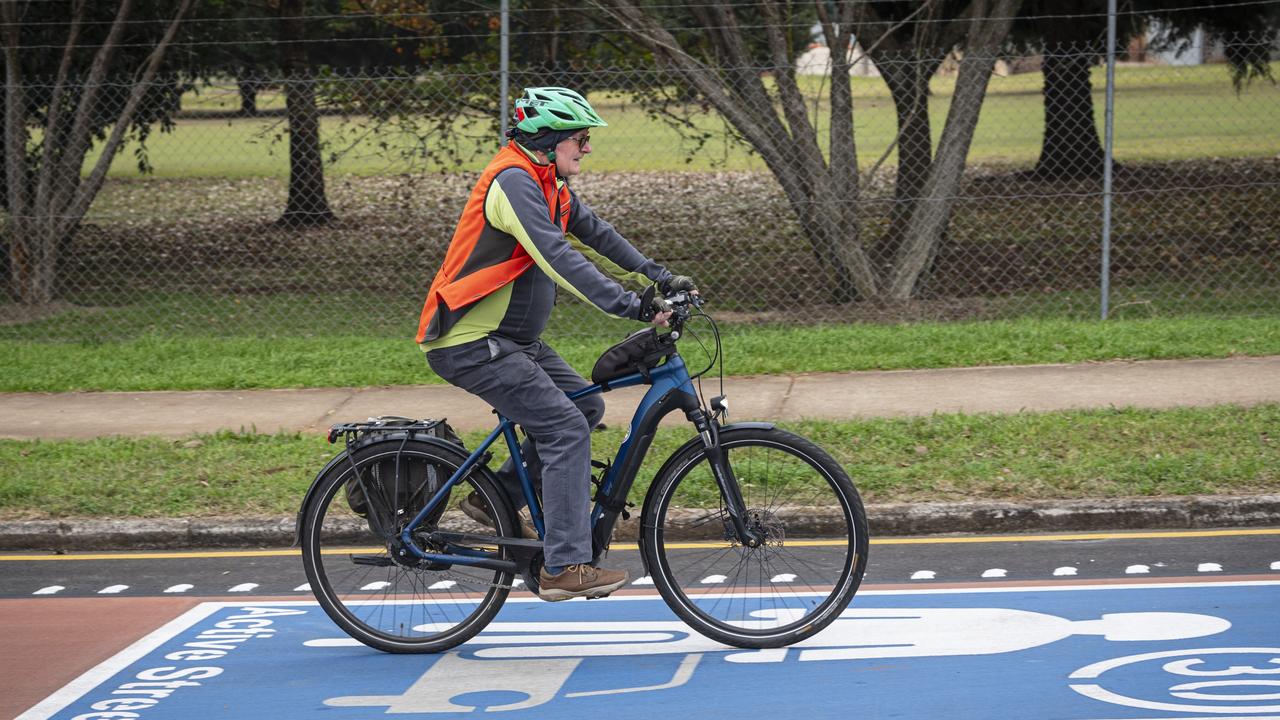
[(582, 140)]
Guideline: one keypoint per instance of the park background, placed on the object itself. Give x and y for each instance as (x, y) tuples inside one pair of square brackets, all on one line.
[(257, 194)]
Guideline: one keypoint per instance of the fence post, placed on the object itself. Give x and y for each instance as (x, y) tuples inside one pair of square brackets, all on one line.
[(1106, 157), (504, 59)]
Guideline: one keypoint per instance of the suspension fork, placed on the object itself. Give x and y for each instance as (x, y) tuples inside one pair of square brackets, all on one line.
[(709, 430)]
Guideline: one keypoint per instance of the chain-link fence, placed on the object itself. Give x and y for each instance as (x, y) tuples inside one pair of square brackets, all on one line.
[(230, 232)]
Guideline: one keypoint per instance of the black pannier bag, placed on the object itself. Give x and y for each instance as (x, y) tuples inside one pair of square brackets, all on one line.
[(642, 350), (418, 481)]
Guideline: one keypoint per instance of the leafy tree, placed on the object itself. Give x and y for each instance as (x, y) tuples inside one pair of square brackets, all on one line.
[(51, 123), (1071, 35), (307, 203), (444, 95), (742, 43), (908, 41)]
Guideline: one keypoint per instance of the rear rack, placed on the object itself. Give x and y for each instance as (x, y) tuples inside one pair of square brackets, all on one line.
[(352, 431)]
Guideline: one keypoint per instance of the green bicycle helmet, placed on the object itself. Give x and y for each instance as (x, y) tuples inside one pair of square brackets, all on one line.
[(554, 108)]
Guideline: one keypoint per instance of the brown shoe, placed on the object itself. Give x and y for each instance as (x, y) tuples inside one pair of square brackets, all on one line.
[(474, 507), (579, 581)]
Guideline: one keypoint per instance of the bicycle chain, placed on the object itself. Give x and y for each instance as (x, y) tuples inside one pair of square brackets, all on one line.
[(466, 580)]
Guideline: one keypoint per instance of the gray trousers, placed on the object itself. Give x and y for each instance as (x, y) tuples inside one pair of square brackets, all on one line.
[(526, 382)]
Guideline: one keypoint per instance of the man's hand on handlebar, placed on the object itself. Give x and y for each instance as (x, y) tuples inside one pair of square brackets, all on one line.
[(662, 311), (654, 308), (657, 309), (678, 283)]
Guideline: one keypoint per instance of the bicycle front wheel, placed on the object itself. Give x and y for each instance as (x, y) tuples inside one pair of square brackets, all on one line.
[(366, 582), (791, 586)]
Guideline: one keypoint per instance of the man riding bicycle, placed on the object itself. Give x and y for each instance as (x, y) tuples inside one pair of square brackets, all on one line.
[(522, 233)]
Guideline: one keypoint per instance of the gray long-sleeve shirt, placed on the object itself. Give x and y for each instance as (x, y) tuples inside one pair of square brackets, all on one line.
[(516, 212)]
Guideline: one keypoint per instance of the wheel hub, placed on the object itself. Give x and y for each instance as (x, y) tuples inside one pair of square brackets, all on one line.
[(767, 526)]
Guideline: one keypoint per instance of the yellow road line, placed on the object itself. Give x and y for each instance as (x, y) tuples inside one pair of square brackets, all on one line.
[(1076, 536), (157, 555), (939, 540)]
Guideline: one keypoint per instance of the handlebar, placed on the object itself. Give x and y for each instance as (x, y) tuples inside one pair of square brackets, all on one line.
[(682, 304)]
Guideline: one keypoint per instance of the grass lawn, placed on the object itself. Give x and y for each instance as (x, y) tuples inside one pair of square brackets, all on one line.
[(1111, 453), (1162, 114), (185, 282), (189, 361)]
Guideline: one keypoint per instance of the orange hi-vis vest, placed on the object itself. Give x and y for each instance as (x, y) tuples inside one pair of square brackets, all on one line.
[(458, 292)]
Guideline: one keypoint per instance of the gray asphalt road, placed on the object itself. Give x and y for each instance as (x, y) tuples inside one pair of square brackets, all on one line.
[(915, 561)]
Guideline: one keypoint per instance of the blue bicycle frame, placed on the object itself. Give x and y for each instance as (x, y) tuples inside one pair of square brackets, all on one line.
[(671, 389)]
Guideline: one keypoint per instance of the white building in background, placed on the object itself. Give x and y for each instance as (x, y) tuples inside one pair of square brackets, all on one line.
[(1196, 50), (817, 61), (1199, 48)]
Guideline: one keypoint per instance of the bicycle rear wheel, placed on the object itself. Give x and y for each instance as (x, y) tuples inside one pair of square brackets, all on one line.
[(352, 555), (790, 587)]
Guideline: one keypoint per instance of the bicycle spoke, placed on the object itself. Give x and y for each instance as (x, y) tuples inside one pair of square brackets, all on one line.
[(772, 591), (388, 599)]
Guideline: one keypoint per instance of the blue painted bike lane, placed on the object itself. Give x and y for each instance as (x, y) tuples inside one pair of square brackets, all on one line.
[(1193, 650)]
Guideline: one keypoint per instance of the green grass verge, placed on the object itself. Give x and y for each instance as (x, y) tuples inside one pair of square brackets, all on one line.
[(190, 363), (1112, 453), (1161, 114)]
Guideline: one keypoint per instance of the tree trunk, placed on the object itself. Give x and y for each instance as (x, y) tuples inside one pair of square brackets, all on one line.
[(24, 245), (932, 211), (821, 193), (1071, 147), (248, 87), (49, 196), (307, 204), (908, 84)]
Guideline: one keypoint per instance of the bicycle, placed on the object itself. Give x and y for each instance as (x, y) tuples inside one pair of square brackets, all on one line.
[(721, 531)]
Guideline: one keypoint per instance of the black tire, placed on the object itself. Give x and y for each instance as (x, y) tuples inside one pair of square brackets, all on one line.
[(399, 607), (784, 591)]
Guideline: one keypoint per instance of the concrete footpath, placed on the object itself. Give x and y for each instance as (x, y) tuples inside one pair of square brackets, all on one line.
[(1147, 384), (826, 396)]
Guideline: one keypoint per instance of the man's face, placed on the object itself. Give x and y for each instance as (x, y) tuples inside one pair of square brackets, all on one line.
[(569, 153)]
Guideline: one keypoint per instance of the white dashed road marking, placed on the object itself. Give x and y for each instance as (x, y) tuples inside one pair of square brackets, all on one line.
[(1064, 571)]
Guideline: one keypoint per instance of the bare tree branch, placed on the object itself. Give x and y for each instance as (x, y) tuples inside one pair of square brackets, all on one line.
[(15, 135), (988, 28), (793, 105), (81, 135), (821, 194), (668, 51), (55, 117), (89, 188)]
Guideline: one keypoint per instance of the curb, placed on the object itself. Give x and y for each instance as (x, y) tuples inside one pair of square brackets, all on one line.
[(1204, 511)]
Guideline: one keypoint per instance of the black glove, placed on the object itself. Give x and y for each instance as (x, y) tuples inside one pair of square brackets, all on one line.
[(677, 283), (651, 304)]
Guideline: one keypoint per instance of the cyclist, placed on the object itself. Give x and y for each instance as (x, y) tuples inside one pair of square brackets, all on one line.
[(522, 233)]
